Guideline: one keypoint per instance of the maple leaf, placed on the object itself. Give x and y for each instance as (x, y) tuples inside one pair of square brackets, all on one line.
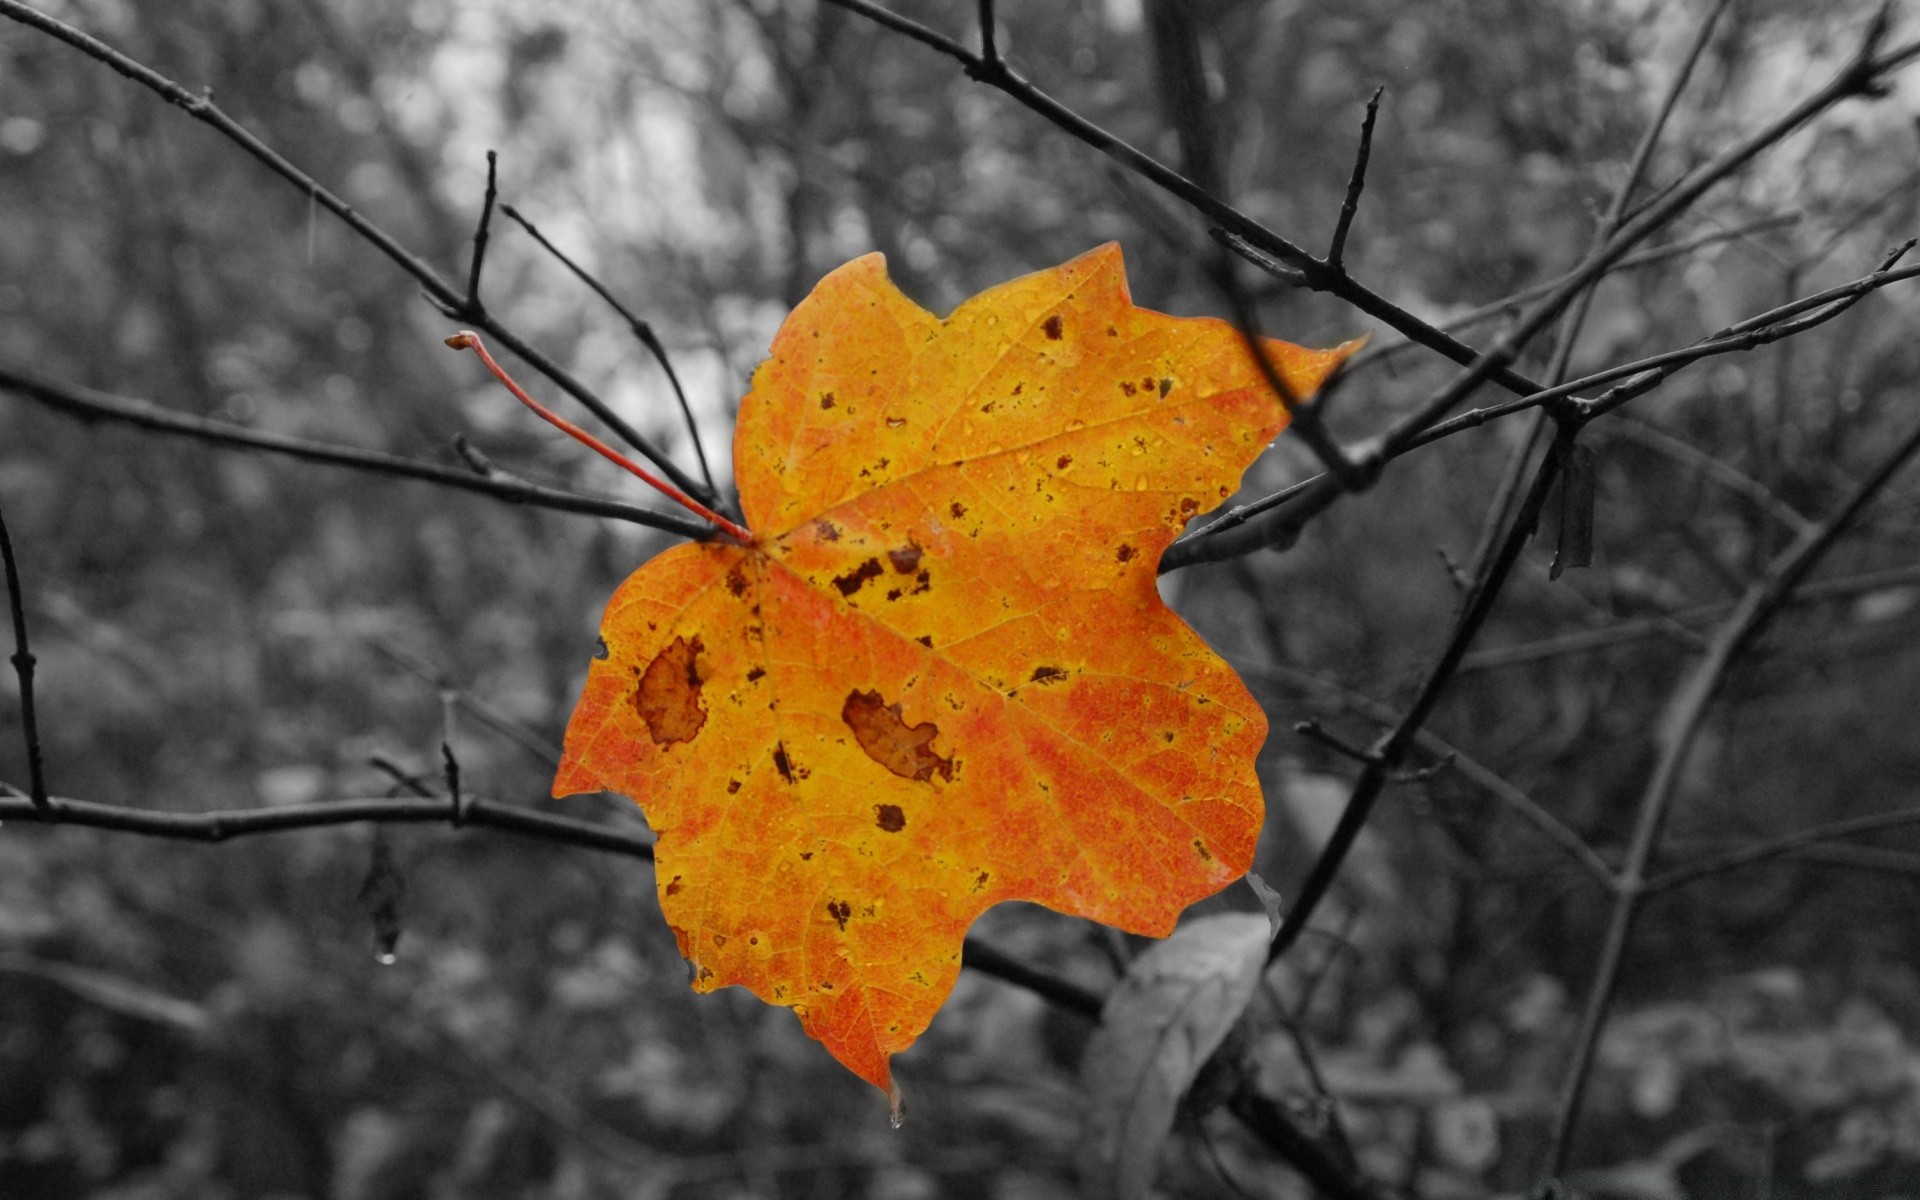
[(940, 674)]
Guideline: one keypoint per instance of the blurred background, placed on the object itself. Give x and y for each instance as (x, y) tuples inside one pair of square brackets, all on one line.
[(220, 629)]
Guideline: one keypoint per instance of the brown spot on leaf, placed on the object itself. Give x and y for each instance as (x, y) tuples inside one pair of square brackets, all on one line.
[(1166, 385), (1200, 848), (805, 855), (737, 579), (733, 787), (980, 880), (1188, 506), (719, 939), (826, 530), (781, 762), (957, 509), (667, 696), (1063, 462), (906, 750), (1052, 326), (1048, 675), (907, 559), (987, 407), (839, 910), (925, 640), (924, 581), (826, 400), (889, 817), (1124, 553), (1126, 386), (895, 422), (857, 578), (1018, 387), (756, 673), (673, 886)]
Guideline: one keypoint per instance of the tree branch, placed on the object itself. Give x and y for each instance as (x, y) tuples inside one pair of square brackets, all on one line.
[(23, 664), (89, 405), (438, 291), (1686, 711)]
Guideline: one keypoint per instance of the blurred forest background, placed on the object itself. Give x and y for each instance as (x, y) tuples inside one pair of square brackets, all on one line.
[(219, 629)]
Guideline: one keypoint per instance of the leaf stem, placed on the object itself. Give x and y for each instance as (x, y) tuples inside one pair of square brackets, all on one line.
[(466, 339)]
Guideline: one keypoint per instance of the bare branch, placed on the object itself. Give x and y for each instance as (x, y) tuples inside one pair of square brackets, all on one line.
[(89, 405), (23, 664), (473, 305), (1349, 207), (225, 825), (643, 331), (989, 49), (1391, 749), (1641, 628), (440, 293), (1686, 711), (1791, 843), (1312, 496)]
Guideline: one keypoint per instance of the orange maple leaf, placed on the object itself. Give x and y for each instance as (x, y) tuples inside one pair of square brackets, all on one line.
[(940, 674)]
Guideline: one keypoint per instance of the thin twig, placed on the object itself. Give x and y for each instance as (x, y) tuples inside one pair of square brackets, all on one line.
[(1242, 229), (1860, 77), (23, 664), (90, 405), (1509, 305), (440, 293), (642, 331), (1392, 746), (473, 306), (1470, 768), (1314, 494), (1718, 470), (1790, 843), (989, 49), (1686, 712), (225, 825), (1337, 248), (1785, 321), (1641, 628), (539, 748), (1574, 319), (1183, 89)]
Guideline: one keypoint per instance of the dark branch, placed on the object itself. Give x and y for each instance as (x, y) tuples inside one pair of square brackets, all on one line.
[(1311, 496), (23, 664), (222, 826), (89, 405), (1747, 856), (642, 331), (1686, 711), (1337, 248), (989, 48), (440, 293), (473, 306), (1391, 749)]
